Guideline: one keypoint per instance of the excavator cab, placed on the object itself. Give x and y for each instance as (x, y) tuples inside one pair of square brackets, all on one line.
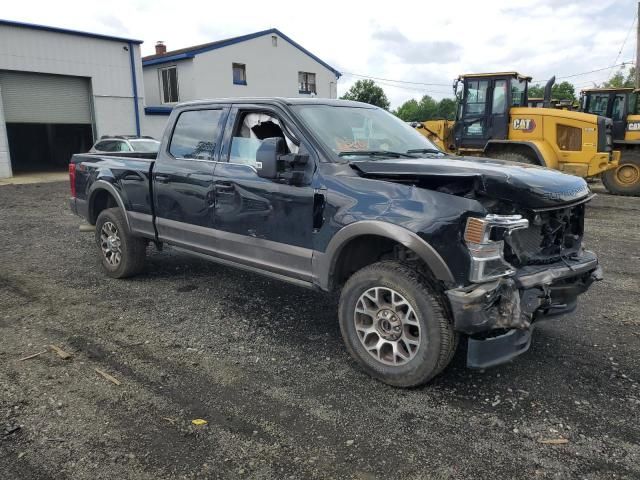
[(614, 103), (484, 101)]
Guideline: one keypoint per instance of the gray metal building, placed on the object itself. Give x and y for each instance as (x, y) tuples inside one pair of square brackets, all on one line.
[(60, 90)]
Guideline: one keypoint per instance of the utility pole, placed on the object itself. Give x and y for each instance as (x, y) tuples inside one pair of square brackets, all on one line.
[(638, 48)]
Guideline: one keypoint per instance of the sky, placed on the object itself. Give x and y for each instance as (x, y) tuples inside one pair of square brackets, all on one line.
[(414, 48)]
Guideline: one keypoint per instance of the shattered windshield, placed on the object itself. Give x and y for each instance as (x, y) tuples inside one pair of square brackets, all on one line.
[(357, 131)]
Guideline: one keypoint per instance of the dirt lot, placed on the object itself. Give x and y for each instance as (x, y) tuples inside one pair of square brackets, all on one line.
[(263, 363)]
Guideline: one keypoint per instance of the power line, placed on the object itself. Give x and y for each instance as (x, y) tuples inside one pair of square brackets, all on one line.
[(399, 81), (416, 89), (394, 82), (630, 62), (624, 42), (590, 82)]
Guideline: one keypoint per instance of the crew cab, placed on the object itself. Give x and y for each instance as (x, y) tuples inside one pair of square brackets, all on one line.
[(424, 246)]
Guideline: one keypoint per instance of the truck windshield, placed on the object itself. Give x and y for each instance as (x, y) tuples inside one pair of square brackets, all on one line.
[(147, 146), (357, 130)]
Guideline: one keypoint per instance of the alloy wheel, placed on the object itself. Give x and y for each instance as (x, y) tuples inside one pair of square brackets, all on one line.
[(387, 326), (110, 243)]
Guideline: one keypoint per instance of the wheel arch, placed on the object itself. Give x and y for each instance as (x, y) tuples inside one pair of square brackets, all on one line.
[(328, 265), (534, 150), (104, 195)]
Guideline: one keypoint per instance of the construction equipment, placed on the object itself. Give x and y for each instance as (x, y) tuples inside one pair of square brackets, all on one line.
[(538, 102), (493, 120), (621, 106)]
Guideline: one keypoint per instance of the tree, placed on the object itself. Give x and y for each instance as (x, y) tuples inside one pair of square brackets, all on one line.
[(368, 92), (618, 80), (447, 109), (409, 111), (426, 109), (560, 91), (536, 91), (563, 91)]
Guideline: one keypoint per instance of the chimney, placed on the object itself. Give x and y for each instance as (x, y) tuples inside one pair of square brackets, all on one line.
[(161, 48)]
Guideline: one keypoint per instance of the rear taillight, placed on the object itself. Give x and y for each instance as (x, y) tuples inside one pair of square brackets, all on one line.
[(72, 179)]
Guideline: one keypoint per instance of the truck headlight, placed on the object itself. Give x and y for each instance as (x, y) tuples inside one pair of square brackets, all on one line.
[(483, 237)]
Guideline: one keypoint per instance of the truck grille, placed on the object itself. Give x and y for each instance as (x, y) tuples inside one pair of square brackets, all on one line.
[(551, 236)]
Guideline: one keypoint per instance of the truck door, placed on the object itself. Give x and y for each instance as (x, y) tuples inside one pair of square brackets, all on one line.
[(261, 222), (183, 176), (472, 128), (484, 112), (499, 117), (619, 115)]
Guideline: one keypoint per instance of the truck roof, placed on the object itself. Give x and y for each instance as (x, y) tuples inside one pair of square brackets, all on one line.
[(278, 101), (495, 74), (610, 89)]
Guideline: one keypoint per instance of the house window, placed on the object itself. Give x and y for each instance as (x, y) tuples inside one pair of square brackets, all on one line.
[(274, 41), (169, 84), (239, 74), (306, 82)]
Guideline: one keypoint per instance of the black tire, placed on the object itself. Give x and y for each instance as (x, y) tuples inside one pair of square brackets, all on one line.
[(438, 341), (625, 178), (514, 157), (132, 249)]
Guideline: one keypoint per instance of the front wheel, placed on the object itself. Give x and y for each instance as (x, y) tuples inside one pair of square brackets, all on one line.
[(122, 254), (625, 178), (394, 325)]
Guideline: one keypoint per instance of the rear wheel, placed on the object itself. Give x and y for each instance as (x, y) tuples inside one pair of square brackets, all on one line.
[(122, 254), (394, 325), (513, 157), (625, 178)]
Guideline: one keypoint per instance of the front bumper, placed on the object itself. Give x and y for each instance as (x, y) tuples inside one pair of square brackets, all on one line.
[(490, 312)]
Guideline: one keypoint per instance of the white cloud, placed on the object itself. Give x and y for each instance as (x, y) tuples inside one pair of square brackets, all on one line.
[(425, 41)]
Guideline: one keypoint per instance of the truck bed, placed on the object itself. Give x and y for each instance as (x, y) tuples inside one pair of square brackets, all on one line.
[(129, 174)]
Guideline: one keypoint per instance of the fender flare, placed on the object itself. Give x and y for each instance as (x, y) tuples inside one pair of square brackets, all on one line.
[(324, 264), (99, 185), (533, 146)]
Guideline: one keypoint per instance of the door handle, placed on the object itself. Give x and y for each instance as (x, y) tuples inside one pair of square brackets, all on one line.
[(162, 177), (225, 188), (132, 176)]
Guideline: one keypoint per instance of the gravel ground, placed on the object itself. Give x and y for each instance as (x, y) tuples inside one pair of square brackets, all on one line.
[(263, 363)]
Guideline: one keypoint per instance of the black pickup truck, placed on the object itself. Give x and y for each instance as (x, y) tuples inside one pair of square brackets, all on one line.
[(332, 194)]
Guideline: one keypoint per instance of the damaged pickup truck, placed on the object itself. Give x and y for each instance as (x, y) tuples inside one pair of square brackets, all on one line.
[(329, 194)]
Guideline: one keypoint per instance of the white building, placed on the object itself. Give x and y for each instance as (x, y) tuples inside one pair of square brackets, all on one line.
[(61, 89), (266, 63)]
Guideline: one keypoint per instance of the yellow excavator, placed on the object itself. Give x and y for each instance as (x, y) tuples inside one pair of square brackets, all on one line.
[(621, 106), (493, 120)]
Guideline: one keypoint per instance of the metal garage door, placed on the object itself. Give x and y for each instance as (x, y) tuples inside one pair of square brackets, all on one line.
[(39, 98)]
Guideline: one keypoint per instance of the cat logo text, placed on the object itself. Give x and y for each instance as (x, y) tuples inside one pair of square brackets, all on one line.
[(524, 124)]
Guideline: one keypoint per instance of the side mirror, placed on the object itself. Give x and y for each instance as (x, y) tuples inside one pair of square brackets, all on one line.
[(267, 157)]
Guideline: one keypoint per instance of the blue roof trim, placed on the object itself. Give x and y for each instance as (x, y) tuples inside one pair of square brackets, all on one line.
[(304, 50), (157, 110), (79, 33), (169, 59), (233, 41)]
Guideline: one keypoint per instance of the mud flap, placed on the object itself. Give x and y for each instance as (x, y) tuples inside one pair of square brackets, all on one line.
[(491, 351)]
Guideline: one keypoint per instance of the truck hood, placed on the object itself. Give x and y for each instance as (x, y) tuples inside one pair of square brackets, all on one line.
[(527, 185)]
